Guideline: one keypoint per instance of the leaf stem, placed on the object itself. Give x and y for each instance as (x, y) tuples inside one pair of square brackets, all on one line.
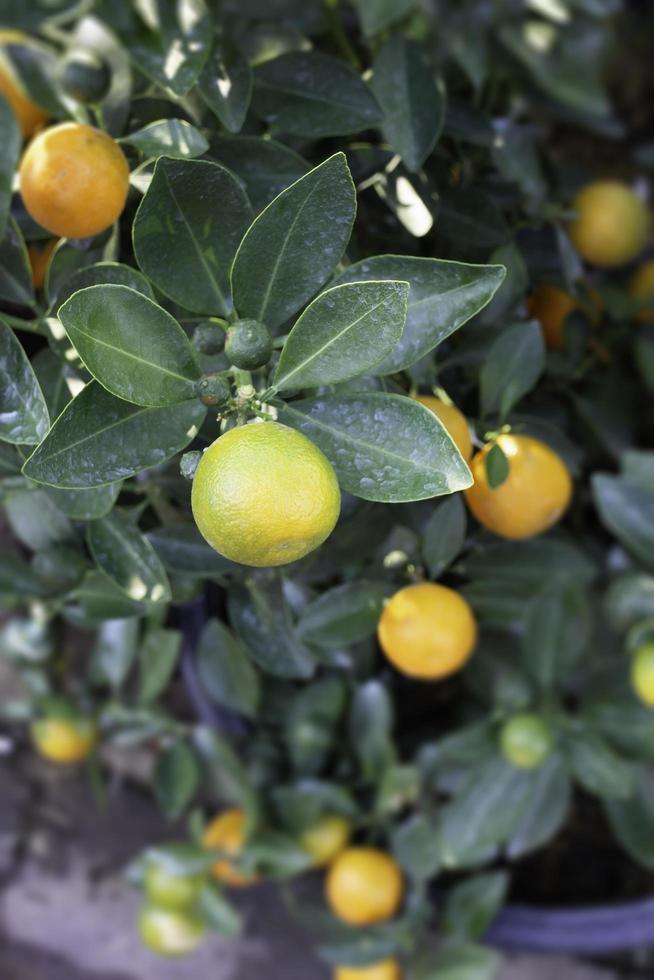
[(340, 38)]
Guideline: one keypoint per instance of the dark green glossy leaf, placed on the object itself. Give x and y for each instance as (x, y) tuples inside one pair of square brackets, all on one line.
[(344, 614), (52, 373), (497, 466), (35, 519), (226, 773), (261, 617), (416, 846), (122, 553), (18, 578), (183, 550), (24, 415), (473, 904), (377, 15), (444, 535), (100, 439), (307, 93), (9, 153), (176, 778), (173, 138), (628, 512), (383, 447), (546, 811), (458, 962), (470, 214), (225, 670), (313, 716), (291, 248), (599, 768), (114, 652), (131, 345), (557, 633), (632, 820), (413, 102), (530, 562), (266, 167), (443, 296), (218, 912), (85, 505), (343, 333), (157, 660), (371, 724), (512, 366), (187, 230), (15, 270), (99, 599), (102, 273), (226, 85)]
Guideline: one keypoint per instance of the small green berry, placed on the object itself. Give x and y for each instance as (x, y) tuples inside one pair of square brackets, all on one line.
[(248, 344)]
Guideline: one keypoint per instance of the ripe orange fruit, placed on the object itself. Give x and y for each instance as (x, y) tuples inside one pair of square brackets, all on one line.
[(227, 833), (64, 739), (526, 740), (384, 970), (74, 180), (534, 495), (550, 305), (30, 116), (641, 290), (612, 224), (427, 631), (364, 885), (454, 421), (169, 932), (263, 494), (326, 838), (642, 674), (39, 253)]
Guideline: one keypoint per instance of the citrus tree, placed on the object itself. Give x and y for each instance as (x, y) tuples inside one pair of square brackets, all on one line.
[(326, 358)]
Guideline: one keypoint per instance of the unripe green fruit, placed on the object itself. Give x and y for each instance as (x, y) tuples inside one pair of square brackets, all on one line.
[(526, 740), (171, 891), (208, 337), (169, 932), (85, 76), (642, 674), (214, 390), (248, 344)]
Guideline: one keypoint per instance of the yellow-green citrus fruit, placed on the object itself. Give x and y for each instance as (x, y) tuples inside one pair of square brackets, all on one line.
[(526, 740), (642, 674), (427, 631), (264, 494), (612, 224), (39, 254), (326, 838), (64, 740), (169, 932), (30, 116), (384, 970), (364, 885), (454, 421), (227, 833), (641, 290), (534, 496), (168, 890), (551, 305), (74, 180)]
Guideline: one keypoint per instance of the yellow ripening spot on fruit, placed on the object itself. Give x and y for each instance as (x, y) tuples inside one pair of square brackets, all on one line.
[(551, 305), (534, 496), (454, 421), (641, 291), (74, 180), (326, 838), (30, 116), (227, 833), (64, 740), (364, 885), (263, 494), (427, 631), (611, 224), (384, 970), (170, 932)]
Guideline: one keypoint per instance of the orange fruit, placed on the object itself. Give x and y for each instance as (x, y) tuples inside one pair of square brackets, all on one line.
[(364, 885), (551, 305), (612, 224), (39, 253), (64, 739), (263, 494), (227, 833), (74, 180), (427, 631), (326, 838), (30, 116), (384, 970), (641, 290), (454, 421), (534, 496)]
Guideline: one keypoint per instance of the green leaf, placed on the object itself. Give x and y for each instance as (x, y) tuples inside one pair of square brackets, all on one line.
[(444, 535), (183, 550), (377, 15), (99, 598), (187, 230), (371, 724), (312, 718), (557, 633), (473, 904), (35, 519), (114, 652), (470, 214), (497, 466), (632, 820), (102, 273), (99, 439), (443, 296), (121, 552), (291, 248), (383, 447), (85, 505), (18, 578), (24, 416), (416, 846), (131, 345), (226, 85), (627, 511), (226, 773), (173, 138), (345, 614), (266, 167), (158, 657), (546, 811), (343, 333), (458, 962), (277, 855), (9, 154), (260, 615), (181, 857), (15, 269), (218, 912), (307, 93), (176, 778), (598, 767), (53, 376), (530, 563), (512, 366), (226, 671), (412, 101)]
